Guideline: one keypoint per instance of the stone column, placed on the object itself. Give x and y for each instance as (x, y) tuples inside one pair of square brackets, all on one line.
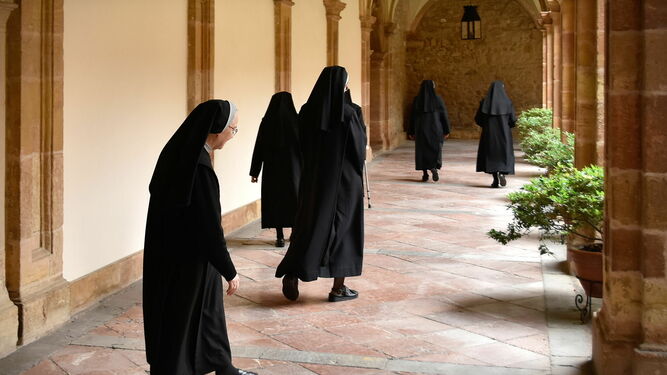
[(544, 65), (201, 22), (557, 63), (549, 31), (630, 331), (283, 43), (378, 100), (568, 17), (587, 128), (367, 22), (34, 195), (333, 7), (9, 319)]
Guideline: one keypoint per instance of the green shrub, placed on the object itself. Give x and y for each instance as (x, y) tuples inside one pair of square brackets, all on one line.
[(566, 202), (534, 119), (541, 143), (548, 151)]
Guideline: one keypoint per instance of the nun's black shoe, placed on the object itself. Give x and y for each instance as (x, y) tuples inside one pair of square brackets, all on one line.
[(342, 294), (291, 287), (280, 242), (502, 179), (424, 177), (495, 185), (435, 174), (243, 372)]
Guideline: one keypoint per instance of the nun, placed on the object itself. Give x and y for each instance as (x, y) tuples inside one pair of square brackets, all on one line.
[(496, 116), (277, 149), (185, 253), (328, 236), (429, 126)]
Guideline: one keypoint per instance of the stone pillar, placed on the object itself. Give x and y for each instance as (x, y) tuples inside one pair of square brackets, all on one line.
[(283, 43), (568, 50), (544, 66), (367, 22), (630, 330), (201, 22), (587, 129), (549, 30), (378, 101), (557, 62), (34, 195), (333, 7), (9, 319)]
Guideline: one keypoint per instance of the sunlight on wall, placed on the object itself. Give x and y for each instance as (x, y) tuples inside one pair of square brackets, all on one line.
[(244, 74), (124, 95)]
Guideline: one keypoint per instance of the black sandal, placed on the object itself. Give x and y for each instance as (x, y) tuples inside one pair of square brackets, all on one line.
[(434, 172), (342, 294)]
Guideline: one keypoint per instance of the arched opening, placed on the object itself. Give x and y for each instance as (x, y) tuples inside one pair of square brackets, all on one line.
[(510, 50)]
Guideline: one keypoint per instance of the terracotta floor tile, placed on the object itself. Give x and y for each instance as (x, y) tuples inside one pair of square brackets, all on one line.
[(499, 354), (45, 367), (455, 339), (89, 360)]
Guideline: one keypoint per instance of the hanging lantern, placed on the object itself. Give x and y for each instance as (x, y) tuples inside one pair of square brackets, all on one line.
[(471, 24)]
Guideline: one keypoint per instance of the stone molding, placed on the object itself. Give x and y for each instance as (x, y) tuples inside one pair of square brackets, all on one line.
[(283, 44), (333, 9), (34, 208), (201, 47)]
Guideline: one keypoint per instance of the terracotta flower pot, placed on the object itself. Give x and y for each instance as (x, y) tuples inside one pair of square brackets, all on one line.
[(588, 269)]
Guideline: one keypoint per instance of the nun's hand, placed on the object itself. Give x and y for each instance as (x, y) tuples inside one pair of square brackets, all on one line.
[(253, 179), (233, 285), (446, 135)]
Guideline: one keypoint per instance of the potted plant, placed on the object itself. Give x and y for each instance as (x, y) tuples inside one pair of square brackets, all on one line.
[(567, 202)]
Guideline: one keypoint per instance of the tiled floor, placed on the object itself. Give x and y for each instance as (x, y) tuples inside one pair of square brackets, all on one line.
[(437, 296)]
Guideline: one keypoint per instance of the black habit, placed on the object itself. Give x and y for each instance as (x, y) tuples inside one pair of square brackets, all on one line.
[(185, 254), (496, 117), (328, 235), (429, 124), (277, 147)]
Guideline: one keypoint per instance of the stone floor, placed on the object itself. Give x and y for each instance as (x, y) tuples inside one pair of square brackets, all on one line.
[(436, 297)]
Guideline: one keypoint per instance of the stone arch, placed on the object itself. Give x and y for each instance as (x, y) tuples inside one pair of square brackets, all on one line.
[(533, 8), (512, 52)]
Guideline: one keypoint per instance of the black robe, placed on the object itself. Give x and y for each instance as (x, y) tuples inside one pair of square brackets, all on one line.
[(184, 256), (277, 147), (496, 116), (429, 123), (328, 236)]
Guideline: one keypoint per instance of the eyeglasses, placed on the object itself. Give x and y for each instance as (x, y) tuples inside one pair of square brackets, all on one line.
[(234, 130)]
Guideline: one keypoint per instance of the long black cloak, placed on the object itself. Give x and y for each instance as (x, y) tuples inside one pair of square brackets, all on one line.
[(496, 116), (429, 123), (277, 147), (185, 254), (328, 235)]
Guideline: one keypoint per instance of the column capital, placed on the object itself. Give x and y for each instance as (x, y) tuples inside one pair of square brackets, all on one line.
[(545, 19), (367, 22), (334, 7), (284, 2)]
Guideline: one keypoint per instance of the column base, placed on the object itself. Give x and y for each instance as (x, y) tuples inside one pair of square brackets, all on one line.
[(9, 325), (43, 310), (612, 357)]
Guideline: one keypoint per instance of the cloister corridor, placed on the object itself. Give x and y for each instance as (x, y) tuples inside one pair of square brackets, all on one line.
[(437, 296)]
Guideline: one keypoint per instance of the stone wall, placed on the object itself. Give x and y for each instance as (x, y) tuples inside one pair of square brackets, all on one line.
[(510, 50)]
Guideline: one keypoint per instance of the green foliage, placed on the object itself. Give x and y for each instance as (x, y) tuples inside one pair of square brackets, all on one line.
[(541, 143), (568, 201), (534, 119), (548, 151)]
